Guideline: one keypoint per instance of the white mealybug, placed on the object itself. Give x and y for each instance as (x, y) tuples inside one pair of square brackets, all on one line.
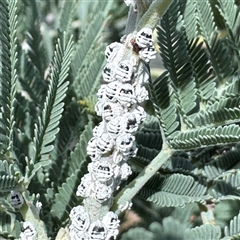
[(104, 143), (118, 157), (84, 188), (140, 114), (75, 234), (101, 170), (16, 199), (97, 231), (114, 126), (131, 122), (108, 110), (108, 72), (111, 91), (126, 95), (112, 50), (28, 231), (92, 149), (146, 54), (125, 171), (110, 220), (144, 38), (141, 75), (99, 107), (124, 71), (99, 129), (80, 218), (141, 93), (125, 143), (101, 91), (102, 192)]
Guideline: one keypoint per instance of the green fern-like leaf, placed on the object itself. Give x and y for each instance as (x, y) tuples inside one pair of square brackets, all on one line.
[(205, 82), (8, 178), (203, 232), (76, 168), (178, 163), (86, 65), (220, 54), (34, 59), (66, 16), (173, 190), (61, 167), (173, 43), (27, 113), (10, 227), (232, 88), (32, 81), (46, 132), (8, 183), (204, 136), (137, 233), (36, 50), (144, 156), (87, 81), (65, 199), (79, 154), (233, 230), (221, 112), (164, 231), (149, 142), (230, 13), (8, 59), (71, 126), (205, 19), (228, 187), (224, 191), (187, 9), (163, 97), (172, 39), (217, 50), (217, 167)]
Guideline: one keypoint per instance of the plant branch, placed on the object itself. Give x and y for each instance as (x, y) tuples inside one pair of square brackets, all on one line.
[(127, 193), (152, 15), (131, 21)]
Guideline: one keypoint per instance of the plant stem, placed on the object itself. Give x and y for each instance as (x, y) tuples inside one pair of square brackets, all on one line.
[(131, 22), (152, 15), (127, 193)]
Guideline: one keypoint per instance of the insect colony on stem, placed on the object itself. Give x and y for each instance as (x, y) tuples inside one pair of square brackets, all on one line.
[(113, 141)]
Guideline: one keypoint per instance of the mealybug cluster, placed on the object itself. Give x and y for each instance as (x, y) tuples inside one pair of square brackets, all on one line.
[(28, 231), (113, 143)]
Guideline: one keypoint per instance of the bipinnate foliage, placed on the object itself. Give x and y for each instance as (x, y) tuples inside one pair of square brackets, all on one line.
[(51, 59), (196, 101), (46, 67), (8, 72)]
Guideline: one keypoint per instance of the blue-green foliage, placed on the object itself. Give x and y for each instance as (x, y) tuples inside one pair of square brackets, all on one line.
[(51, 56), (196, 102), (46, 66)]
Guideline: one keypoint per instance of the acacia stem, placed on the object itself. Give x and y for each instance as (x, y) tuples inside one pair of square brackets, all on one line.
[(127, 193), (152, 15)]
